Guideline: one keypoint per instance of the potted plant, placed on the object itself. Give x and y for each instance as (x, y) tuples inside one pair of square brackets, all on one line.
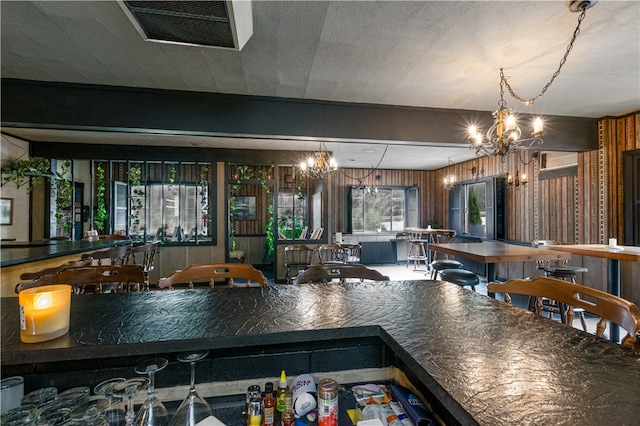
[(475, 220)]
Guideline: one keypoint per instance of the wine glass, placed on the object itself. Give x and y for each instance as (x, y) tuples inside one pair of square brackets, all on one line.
[(152, 412), (128, 389), (91, 412), (115, 413), (194, 408)]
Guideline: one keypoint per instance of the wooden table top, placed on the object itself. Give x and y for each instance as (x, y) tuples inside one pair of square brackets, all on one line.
[(629, 253), (494, 252)]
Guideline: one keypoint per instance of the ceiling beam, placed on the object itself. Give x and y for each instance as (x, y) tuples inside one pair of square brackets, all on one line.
[(36, 104)]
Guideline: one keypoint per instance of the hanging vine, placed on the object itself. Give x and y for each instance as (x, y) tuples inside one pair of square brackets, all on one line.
[(204, 198), (244, 173), (101, 215), (64, 194), (19, 171), (136, 195)]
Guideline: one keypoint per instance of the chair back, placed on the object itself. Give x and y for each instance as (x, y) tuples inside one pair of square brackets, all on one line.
[(297, 255), (144, 256), (98, 279), (324, 273), (212, 272), (316, 234), (331, 254), (26, 276), (442, 236), (352, 253), (600, 303), (114, 256), (113, 237)]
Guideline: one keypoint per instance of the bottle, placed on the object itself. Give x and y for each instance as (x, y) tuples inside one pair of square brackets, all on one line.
[(283, 390), (288, 417), (255, 411), (268, 406)]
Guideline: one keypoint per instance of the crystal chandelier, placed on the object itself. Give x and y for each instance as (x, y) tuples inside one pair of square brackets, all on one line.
[(320, 165), (505, 134)]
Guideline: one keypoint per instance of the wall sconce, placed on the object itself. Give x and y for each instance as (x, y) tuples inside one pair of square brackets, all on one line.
[(517, 179), (449, 180)]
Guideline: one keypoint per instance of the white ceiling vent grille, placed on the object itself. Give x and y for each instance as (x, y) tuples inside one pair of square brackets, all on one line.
[(551, 160), (224, 24)]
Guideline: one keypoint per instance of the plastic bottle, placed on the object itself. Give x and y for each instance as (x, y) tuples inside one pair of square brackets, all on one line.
[(269, 406), (283, 390), (288, 417)]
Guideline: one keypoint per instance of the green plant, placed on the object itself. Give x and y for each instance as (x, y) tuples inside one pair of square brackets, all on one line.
[(244, 173), (474, 209), (136, 195), (64, 194), (18, 171), (101, 215)]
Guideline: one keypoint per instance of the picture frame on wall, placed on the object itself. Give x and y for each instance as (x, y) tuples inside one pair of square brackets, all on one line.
[(6, 211), (244, 208)]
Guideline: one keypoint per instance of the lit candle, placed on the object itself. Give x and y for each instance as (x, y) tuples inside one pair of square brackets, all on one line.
[(511, 122), (44, 312), (523, 178)]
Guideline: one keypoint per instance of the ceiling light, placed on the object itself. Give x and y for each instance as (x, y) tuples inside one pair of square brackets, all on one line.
[(320, 165), (505, 134)]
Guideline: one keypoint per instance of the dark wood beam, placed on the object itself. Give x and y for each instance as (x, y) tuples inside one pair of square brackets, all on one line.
[(36, 104)]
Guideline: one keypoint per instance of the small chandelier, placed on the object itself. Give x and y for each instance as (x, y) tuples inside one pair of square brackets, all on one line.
[(449, 180), (320, 165), (505, 134)]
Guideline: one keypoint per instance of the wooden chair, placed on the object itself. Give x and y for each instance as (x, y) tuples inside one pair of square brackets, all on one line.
[(144, 256), (97, 278), (27, 276), (214, 272), (600, 303), (316, 234), (114, 256), (296, 258), (325, 273), (331, 254)]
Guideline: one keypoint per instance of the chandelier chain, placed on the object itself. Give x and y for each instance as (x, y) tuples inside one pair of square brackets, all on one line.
[(503, 79)]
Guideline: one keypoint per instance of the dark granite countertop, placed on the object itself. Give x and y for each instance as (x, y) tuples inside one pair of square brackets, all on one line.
[(502, 365), (18, 252)]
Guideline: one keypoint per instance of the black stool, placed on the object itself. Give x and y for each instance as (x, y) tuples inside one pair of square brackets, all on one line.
[(462, 277), (442, 264)]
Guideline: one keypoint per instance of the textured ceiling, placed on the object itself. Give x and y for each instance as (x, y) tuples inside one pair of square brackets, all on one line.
[(443, 54)]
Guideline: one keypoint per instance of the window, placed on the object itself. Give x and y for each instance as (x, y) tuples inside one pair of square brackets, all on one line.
[(475, 218), (381, 211)]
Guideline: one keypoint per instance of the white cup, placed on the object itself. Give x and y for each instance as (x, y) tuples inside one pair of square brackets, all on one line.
[(613, 242), (338, 237), (12, 393)]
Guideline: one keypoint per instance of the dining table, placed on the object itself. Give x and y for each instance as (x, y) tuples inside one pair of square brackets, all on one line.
[(492, 252), (613, 254)]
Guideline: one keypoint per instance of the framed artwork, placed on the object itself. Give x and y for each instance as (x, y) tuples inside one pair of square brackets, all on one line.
[(244, 208), (6, 211)]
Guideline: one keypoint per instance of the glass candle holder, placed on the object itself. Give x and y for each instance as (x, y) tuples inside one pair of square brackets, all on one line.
[(44, 312)]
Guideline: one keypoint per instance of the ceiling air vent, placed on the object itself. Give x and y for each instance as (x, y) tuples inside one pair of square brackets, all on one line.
[(224, 24)]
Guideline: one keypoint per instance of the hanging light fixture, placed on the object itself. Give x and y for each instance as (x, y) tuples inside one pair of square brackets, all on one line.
[(449, 180), (505, 134), (320, 165)]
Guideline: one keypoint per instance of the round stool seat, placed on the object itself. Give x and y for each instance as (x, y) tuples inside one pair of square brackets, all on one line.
[(564, 272), (462, 277), (442, 264)]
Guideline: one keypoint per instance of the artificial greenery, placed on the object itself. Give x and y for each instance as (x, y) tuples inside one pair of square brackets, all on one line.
[(204, 197), (136, 195), (101, 215), (474, 208), (19, 171), (244, 173), (64, 194)]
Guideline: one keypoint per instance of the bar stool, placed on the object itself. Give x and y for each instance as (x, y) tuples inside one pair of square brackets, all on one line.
[(462, 277), (562, 271), (417, 252), (440, 265)]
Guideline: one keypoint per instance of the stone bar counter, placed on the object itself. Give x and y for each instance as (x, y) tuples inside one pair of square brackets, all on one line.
[(19, 257), (474, 359)]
